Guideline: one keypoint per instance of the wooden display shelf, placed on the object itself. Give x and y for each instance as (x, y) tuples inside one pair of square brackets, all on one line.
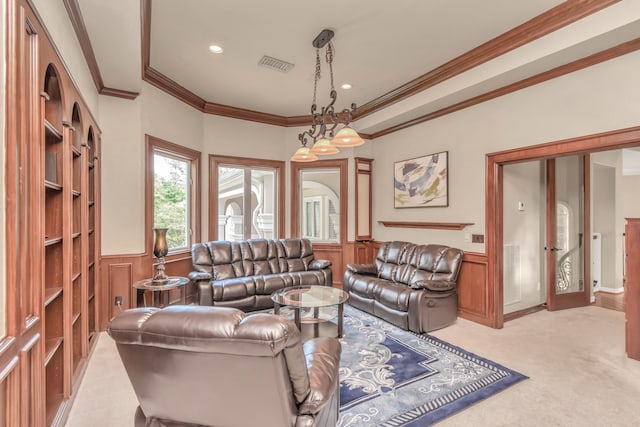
[(51, 131), (50, 347), (76, 276), (91, 203), (50, 294), (427, 225), (52, 241), (76, 316), (91, 264), (75, 235), (92, 296), (75, 193), (52, 186), (76, 151)]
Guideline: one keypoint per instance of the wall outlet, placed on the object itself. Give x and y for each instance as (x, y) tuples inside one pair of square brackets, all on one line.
[(117, 300), (477, 238)]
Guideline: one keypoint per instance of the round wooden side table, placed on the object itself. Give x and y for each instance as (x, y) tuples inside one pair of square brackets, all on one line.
[(160, 290)]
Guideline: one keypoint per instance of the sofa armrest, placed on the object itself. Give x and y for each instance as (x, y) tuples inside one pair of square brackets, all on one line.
[(323, 361), (434, 285), (363, 269), (197, 276), (205, 293), (319, 264)]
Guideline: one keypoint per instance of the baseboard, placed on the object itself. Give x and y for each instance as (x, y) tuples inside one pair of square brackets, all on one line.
[(610, 290)]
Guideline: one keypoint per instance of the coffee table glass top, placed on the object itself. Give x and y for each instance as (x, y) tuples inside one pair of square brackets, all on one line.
[(309, 296)]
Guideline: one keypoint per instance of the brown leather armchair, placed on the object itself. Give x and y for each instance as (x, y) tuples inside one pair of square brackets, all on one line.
[(216, 366)]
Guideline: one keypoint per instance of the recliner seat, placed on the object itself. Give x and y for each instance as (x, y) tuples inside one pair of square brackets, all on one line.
[(215, 366)]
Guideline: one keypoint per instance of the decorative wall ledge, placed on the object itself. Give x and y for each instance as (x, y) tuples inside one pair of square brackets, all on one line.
[(431, 225)]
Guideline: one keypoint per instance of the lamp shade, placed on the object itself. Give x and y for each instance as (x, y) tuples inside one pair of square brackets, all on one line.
[(160, 247), (324, 147), (303, 154), (347, 137)]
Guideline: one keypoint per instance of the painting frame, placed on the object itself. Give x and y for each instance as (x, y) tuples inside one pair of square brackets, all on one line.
[(421, 182)]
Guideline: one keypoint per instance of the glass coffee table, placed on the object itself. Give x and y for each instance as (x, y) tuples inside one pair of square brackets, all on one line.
[(308, 303)]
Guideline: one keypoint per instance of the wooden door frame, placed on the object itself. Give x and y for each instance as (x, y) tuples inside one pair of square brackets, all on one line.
[(621, 138)]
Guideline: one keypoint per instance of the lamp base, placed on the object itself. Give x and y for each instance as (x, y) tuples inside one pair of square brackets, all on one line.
[(160, 277)]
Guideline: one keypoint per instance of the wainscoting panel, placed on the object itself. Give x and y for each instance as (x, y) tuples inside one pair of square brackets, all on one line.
[(333, 253), (475, 301), (120, 272)]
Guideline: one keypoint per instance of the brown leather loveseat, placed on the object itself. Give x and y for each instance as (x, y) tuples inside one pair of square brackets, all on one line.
[(216, 366), (411, 286), (244, 274)]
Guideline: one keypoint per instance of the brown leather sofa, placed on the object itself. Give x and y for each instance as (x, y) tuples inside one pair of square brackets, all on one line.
[(411, 286), (216, 366), (245, 274)]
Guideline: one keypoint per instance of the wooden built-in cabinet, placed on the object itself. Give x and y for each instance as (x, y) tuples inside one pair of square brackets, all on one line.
[(632, 287), (52, 222)]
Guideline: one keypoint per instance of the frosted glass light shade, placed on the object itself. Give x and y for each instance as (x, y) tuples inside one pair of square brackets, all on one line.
[(303, 154), (324, 147), (347, 137)]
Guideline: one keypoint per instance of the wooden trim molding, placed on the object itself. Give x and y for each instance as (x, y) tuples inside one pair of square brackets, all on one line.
[(75, 15), (541, 25), (428, 225), (621, 138), (562, 70), (215, 161)]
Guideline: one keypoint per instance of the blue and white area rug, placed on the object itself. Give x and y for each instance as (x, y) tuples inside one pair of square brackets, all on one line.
[(392, 377)]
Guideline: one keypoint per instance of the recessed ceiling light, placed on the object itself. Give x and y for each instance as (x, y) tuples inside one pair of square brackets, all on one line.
[(346, 86), (215, 48)]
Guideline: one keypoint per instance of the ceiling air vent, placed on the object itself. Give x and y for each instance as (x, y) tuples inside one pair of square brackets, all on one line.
[(275, 64)]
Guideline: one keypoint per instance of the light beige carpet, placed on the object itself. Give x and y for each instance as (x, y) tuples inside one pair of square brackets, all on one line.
[(579, 374)]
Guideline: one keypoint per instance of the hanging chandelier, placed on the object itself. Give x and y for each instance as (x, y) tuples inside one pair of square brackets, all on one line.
[(322, 135)]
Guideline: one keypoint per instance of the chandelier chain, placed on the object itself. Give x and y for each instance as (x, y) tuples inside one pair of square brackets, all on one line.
[(329, 59), (316, 76)]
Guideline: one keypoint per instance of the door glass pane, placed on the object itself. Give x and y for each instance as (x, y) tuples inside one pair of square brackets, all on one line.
[(263, 203), (230, 203), (321, 204), (569, 245)]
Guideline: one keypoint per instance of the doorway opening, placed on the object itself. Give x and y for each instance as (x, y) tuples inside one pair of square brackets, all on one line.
[(497, 164)]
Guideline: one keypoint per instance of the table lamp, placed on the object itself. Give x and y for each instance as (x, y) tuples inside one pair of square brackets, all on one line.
[(160, 250)]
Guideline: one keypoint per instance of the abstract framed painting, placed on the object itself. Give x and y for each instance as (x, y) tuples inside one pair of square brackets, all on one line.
[(422, 182)]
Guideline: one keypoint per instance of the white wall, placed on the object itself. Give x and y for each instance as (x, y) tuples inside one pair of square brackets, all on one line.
[(597, 99), (603, 189), (524, 230)]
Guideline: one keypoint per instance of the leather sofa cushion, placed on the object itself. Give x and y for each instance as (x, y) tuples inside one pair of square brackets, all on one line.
[(226, 258), (393, 295), (393, 258), (430, 264), (259, 257), (234, 288), (295, 255)]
